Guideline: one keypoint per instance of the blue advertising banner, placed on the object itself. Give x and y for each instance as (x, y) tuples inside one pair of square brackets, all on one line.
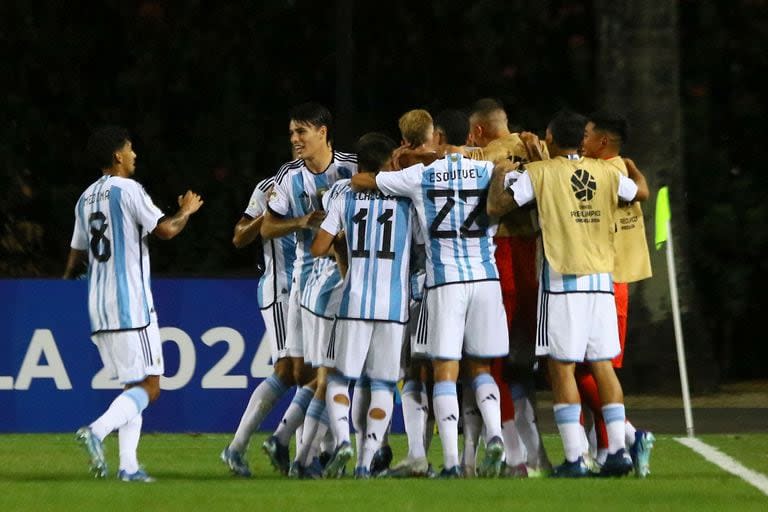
[(51, 376)]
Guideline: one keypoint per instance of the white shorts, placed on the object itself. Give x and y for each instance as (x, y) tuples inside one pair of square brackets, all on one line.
[(275, 322), (294, 345), (417, 330), (317, 335), (131, 356), (575, 327), (367, 347), (466, 319)]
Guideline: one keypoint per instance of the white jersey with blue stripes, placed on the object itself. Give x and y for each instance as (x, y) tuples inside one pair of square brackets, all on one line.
[(279, 253), (322, 291), (449, 196), (378, 231), (555, 282), (113, 218), (298, 191)]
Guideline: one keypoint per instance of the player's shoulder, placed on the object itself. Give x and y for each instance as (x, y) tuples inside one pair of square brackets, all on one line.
[(338, 189), (127, 185), (288, 169), (344, 157), (265, 184)]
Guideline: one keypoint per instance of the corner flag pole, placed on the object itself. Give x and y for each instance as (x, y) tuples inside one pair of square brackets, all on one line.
[(664, 234)]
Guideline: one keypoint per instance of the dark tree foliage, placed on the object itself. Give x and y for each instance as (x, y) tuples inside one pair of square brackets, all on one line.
[(725, 76)]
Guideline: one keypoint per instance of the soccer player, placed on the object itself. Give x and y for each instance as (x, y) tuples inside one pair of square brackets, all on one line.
[(465, 316), (371, 320), (113, 220), (295, 206), (275, 262), (576, 199), (604, 135), (517, 241), (451, 128)]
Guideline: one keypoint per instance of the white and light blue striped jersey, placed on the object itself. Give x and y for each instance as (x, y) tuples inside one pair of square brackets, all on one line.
[(298, 191), (555, 282), (113, 218), (449, 196), (279, 253), (378, 231), (322, 291)]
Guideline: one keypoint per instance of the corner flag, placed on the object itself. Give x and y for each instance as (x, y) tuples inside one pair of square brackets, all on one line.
[(663, 216)]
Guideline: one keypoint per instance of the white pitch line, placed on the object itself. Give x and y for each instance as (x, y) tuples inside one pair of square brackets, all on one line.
[(727, 463)]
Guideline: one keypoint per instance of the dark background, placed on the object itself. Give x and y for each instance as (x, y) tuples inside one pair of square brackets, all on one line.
[(204, 87)]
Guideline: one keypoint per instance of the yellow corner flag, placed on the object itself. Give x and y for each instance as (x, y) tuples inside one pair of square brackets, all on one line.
[(663, 216)]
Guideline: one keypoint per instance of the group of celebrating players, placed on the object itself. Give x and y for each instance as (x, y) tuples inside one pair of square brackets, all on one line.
[(424, 263), (455, 262)]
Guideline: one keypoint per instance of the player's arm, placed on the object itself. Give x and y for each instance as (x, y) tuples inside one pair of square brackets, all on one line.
[(339, 250), (247, 230), (77, 262), (169, 227), (532, 146), (500, 199), (496, 153), (322, 244), (275, 227), (635, 175), (363, 181)]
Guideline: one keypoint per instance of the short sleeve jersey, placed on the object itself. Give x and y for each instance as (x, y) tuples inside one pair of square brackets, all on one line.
[(279, 253), (113, 219), (553, 281), (298, 191), (449, 196), (378, 231)]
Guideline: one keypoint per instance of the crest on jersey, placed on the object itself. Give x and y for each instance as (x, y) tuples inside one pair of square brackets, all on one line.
[(583, 185)]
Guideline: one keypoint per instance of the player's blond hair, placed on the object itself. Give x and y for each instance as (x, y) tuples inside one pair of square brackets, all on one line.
[(414, 126)]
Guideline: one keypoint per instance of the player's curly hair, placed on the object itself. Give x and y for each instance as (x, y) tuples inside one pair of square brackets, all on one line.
[(103, 143)]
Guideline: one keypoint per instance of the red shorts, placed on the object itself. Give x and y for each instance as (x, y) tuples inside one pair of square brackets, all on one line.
[(621, 293), (516, 260)]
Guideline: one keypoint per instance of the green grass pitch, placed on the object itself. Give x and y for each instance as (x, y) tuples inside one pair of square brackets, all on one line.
[(49, 472)]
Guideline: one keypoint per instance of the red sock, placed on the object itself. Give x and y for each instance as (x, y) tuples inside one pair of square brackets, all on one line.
[(587, 385)]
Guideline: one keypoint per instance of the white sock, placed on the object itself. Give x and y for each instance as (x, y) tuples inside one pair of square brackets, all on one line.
[(261, 402), (570, 428), (415, 409), (311, 421), (123, 409), (487, 398), (629, 433), (472, 422), (447, 416), (376, 428), (615, 419), (513, 446), (294, 415), (360, 402), (128, 439), (525, 421), (338, 412), (591, 441), (317, 441)]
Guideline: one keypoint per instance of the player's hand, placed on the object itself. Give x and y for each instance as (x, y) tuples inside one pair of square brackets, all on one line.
[(190, 202), (397, 154), (506, 166), (312, 220), (530, 138)]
